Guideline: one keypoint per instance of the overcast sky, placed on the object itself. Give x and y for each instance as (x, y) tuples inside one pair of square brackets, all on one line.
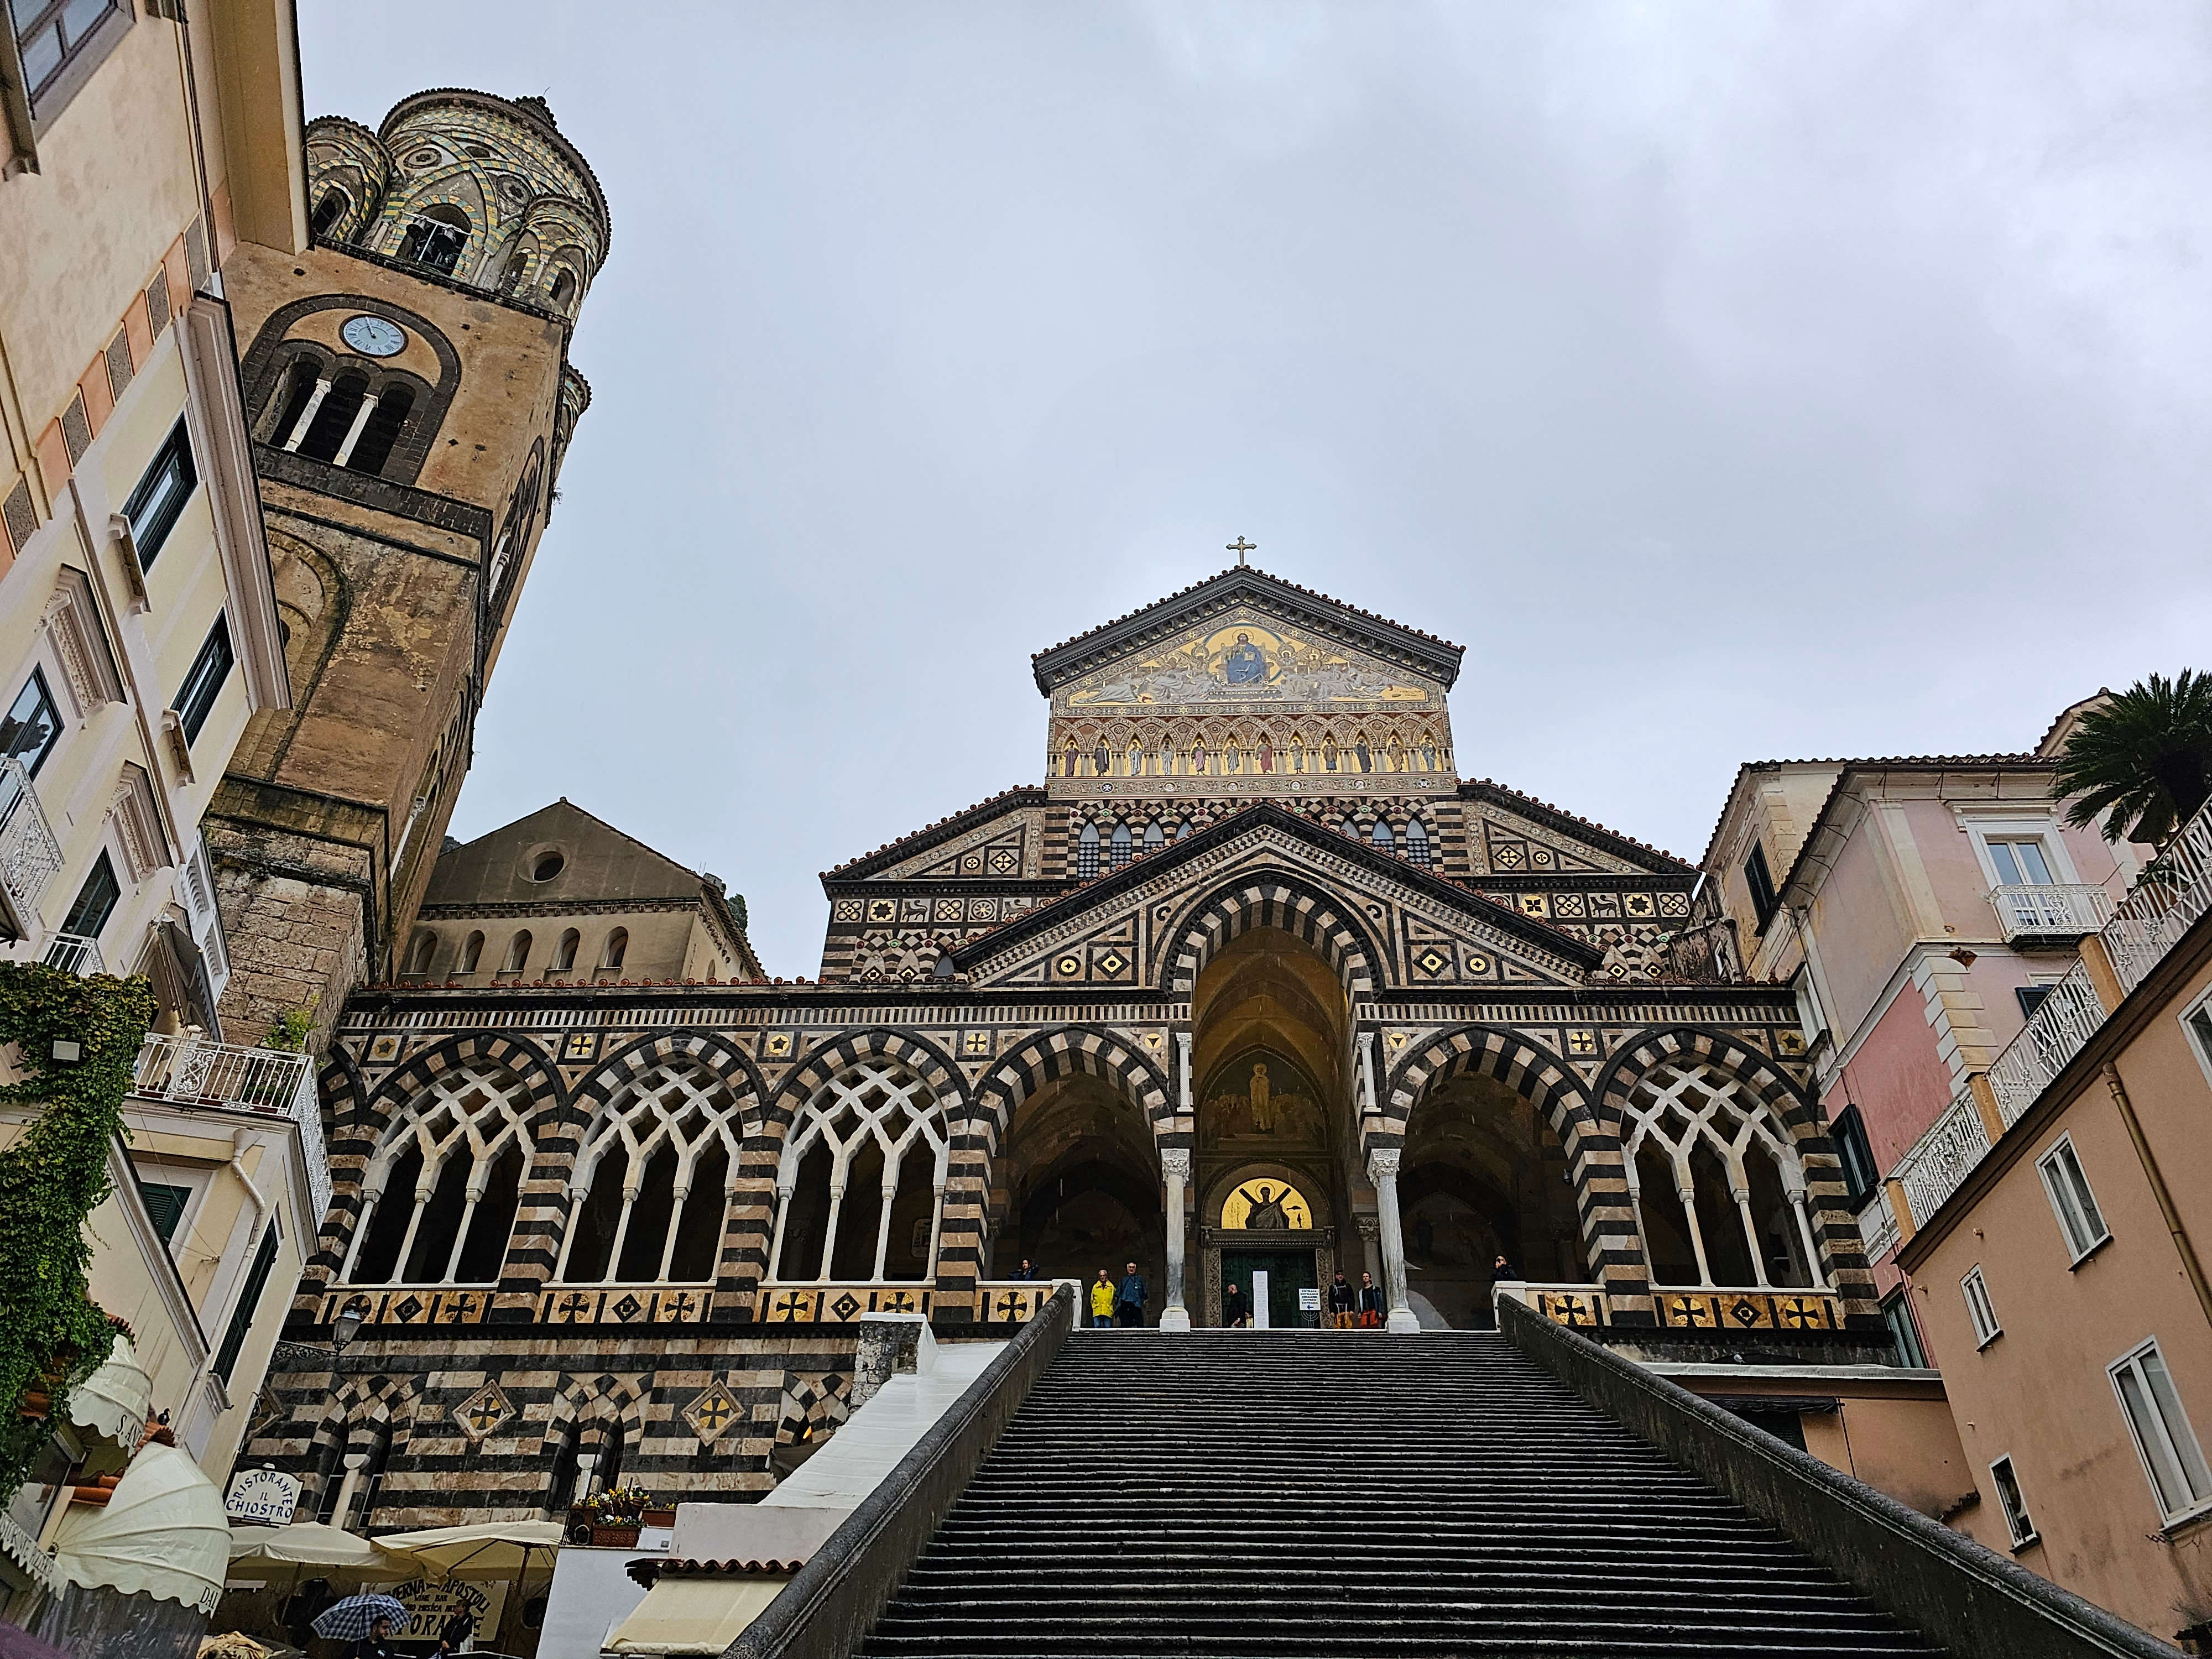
[(1731, 381)]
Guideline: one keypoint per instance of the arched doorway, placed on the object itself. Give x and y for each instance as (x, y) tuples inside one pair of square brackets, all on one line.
[(1483, 1175), (1270, 1067), (1081, 1189)]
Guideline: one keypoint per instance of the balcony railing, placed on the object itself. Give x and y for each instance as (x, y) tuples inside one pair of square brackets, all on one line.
[(2168, 898), (30, 857), (187, 1069), (2051, 915), (73, 953), (1878, 1226)]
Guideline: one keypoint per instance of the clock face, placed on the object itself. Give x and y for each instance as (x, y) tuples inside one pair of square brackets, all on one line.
[(374, 336)]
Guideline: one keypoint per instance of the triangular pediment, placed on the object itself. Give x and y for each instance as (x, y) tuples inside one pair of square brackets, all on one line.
[(1418, 930), (1182, 652), (1000, 838)]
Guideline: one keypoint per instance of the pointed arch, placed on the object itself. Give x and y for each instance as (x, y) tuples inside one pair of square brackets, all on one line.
[(1274, 898)]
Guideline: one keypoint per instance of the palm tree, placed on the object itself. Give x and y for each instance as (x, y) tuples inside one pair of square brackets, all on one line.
[(2145, 756)]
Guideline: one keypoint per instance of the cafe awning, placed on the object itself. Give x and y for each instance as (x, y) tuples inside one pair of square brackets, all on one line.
[(484, 1549), (114, 1400), (162, 1533), (696, 1614), (311, 1544)]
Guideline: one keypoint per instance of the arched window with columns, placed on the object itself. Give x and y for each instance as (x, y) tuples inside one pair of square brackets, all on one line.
[(653, 1179), (438, 1195), (1718, 1187), (860, 1189)]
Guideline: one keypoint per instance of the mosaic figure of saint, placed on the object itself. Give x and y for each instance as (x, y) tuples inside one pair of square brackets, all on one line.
[(1268, 1215), (1245, 664), (1263, 1109)]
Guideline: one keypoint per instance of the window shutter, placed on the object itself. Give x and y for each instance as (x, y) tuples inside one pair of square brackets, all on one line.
[(249, 1298), (166, 1203)]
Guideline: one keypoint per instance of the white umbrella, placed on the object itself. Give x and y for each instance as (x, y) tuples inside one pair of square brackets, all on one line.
[(162, 1532), (311, 1544), (482, 1549)]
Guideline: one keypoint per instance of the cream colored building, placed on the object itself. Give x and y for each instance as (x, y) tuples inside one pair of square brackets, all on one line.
[(143, 143)]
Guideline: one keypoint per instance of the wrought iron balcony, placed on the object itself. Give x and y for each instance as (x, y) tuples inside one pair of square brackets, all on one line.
[(188, 1069), (73, 953), (2171, 896), (30, 857), (2049, 915)]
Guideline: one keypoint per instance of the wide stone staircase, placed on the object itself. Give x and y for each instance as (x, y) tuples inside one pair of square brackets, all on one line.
[(1344, 1493)]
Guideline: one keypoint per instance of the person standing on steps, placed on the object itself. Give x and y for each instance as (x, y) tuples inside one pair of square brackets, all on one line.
[(1504, 1270), (1102, 1301), (1027, 1270), (1233, 1314), (1129, 1297), (1343, 1303), (1371, 1303)]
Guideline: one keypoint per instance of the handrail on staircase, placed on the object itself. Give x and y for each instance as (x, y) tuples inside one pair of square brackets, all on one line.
[(1959, 1592), (832, 1602)]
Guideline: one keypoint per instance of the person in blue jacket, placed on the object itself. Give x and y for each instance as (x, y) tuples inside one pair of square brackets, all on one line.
[(1129, 1297)]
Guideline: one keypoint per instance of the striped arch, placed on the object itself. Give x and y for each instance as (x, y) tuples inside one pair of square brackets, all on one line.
[(1020, 1072), (910, 1048), (358, 1121), (1270, 899), (377, 1403), (597, 1398), (1610, 1238), (1827, 1200), (562, 1140)]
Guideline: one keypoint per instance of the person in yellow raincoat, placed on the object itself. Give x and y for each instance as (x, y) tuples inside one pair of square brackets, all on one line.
[(1102, 1299)]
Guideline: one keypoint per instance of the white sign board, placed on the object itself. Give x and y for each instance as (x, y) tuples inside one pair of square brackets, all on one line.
[(262, 1498), (1260, 1299), (1309, 1299), (429, 1606)]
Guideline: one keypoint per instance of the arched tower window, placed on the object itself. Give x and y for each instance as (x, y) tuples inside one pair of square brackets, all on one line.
[(418, 953), (617, 948), (439, 1196), (860, 1190), (328, 211), (1383, 838), (1154, 835), (334, 418), (564, 952), (289, 399), (373, 449), (471, 953), (653, 1181), (517, 953), (436, 237), (1417, 843), (563, 291), (1086, 852), (1121, 845), (1718, 1188)]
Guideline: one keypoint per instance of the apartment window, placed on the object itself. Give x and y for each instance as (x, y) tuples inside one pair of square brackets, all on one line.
[(2198, 1021), (2021, 862), (1856, 1155), (2164, 1440), (52, 34), (1986, 1328), (2012, 1503), (1760, 879), (2030, 998), (166, 1203), (95, 900), (158, 500), (1898, 1312), (249, 1299), (33, 725), (2072, 1201), (203, 683)]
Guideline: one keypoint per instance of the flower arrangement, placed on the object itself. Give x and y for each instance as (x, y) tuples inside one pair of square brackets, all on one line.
[(616, 1506)]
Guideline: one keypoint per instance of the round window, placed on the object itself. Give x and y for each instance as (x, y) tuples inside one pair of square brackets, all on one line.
[(546, 866)]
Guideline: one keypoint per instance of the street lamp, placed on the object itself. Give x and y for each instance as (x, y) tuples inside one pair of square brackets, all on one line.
[(347, 1325)]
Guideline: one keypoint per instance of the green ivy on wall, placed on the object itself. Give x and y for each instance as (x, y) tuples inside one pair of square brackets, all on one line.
[(51, 1332)]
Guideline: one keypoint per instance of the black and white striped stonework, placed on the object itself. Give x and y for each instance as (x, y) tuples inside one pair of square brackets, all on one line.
[(1336, 1495)]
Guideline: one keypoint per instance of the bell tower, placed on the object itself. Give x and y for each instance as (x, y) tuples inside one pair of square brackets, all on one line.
[(411, 400)]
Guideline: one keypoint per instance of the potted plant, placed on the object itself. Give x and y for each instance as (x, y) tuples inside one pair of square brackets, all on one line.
[(612, 1515)]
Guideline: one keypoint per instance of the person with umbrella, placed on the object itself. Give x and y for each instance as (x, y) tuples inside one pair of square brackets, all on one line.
[(366, 1621)]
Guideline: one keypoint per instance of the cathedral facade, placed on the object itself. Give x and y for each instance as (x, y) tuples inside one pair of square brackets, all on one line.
[(1250, 983)]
